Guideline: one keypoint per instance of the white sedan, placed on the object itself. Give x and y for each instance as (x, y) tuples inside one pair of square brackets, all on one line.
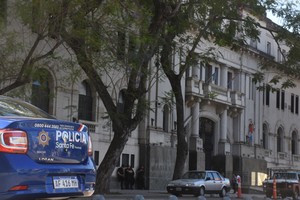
[(199, 183)]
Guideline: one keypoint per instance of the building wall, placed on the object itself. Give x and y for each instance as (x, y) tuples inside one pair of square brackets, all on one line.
[(235, 114)]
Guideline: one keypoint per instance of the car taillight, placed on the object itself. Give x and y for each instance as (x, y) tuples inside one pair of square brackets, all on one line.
[(19, 187), (13, 141), (90, 147)]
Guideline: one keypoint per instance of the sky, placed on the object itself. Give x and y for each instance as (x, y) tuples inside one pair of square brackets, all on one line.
[(274, 18), (278, 20)]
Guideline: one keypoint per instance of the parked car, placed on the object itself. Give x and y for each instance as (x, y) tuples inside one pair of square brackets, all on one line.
[(287, 184), (42, 157), (199, 183)]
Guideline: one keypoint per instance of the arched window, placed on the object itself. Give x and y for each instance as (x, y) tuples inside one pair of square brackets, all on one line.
[(294, 142), (166, 115), (85, 105), (279, 139), (40, 90)]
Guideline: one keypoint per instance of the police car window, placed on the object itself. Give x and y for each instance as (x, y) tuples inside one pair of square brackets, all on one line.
[(11, 107)]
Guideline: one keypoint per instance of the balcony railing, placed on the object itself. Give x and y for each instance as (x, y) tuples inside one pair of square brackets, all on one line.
[(237, 98), (296, 158), (216, 93), (268, 153), (194, 86), (282, 155)]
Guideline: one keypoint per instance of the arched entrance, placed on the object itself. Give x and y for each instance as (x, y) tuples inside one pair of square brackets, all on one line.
[(206, 133)]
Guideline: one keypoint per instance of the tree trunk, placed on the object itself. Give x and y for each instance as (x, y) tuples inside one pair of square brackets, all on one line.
[(175, 81), (109, 161), (182, 147)]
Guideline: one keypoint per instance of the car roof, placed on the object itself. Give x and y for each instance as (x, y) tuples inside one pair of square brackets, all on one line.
[(202, 171), (287, 172)]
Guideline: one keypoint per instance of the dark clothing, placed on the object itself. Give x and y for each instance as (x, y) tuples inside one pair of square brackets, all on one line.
[(234, 184), (140, 178), (121, 176), (129, 178)]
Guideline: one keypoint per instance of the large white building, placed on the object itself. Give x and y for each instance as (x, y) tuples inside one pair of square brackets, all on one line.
[(230, 125)]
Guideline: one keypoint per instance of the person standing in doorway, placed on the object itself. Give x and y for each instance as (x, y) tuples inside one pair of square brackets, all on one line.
[(140, 178), (129, 177), (121, 176)]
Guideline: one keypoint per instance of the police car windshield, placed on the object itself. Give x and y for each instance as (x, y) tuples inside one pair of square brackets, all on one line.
[(14, 107)]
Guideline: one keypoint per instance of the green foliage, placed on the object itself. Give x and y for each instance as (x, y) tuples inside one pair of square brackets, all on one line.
[(212, 95), (258, 77), (275, 80), (288, 84)]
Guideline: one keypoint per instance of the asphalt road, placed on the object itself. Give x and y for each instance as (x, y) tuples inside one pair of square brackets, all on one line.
[(163, 195)]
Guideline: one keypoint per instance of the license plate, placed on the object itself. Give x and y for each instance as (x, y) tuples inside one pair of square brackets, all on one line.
[(65, 182), (178, 189)]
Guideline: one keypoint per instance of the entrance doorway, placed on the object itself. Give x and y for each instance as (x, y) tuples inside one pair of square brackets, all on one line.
[(207, 136)]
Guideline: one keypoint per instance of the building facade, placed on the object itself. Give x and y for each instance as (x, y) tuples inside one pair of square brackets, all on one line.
[(230, 125)]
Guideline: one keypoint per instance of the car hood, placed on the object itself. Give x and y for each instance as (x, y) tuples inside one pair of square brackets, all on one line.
[(186, 181)]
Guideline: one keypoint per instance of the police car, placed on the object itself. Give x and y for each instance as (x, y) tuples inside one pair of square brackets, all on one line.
[(42, 157)]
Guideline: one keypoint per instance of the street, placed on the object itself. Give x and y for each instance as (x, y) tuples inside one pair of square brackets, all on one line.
[(162, 195)]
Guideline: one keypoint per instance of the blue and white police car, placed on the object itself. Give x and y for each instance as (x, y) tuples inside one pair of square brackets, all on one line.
[(42, 157)]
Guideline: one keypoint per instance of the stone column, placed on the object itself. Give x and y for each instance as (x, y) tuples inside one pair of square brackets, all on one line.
[(196, 71), (257, 121), (241, 87), (196, 154), (223, 127), (224, 80), (241, 133), (195, 119), (241, 83), (195, 140), (224, 146)]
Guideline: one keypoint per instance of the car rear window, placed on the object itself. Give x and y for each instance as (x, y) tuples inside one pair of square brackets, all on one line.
[(14, 107)]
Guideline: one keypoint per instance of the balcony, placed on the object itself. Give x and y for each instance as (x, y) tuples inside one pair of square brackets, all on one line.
[(237, 99), (217, 93), (282, 155), (268, 153), (194, 86), (283, 158), (256, 52), (255, 151), (296, 158)]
